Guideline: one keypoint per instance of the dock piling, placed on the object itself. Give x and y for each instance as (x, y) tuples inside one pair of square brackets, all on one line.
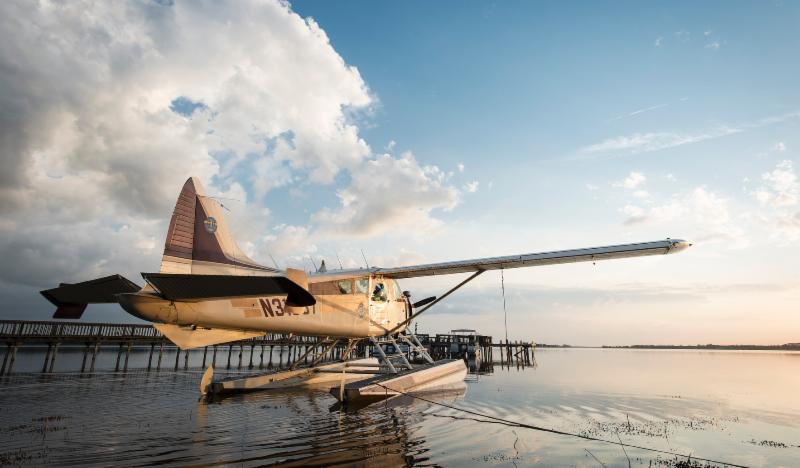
[(94, 355), (53, 357)]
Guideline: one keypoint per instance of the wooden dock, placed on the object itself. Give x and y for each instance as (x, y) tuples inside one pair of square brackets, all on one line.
[(92, 337), (274, 350)]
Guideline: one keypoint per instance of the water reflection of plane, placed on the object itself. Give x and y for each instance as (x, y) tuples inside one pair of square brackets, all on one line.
[(445, 395), (300, 433)]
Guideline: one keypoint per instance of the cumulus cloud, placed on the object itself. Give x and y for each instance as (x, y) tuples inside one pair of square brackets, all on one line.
[(106, 109), (471, 187), (386, 192), (779, 197), (703, 215), (634, 180)]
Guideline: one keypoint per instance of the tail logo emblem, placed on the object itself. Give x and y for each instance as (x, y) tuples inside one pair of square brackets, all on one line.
[(210, 224)]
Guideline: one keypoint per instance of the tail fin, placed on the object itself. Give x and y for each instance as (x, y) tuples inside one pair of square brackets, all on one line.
[(198, 239)]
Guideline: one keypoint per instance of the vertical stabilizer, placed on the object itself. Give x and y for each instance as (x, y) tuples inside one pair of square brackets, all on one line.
[(199, 240)]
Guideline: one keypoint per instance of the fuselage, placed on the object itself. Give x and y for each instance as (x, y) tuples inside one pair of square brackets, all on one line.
[(347, 305)]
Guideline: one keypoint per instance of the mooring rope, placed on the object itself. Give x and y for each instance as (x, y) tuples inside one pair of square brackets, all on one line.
[(506, 422)]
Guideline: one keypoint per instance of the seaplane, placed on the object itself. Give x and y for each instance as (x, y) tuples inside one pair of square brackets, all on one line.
[(208, 291)]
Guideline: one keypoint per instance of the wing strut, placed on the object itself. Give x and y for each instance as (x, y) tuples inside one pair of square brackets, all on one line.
[(416, 314)]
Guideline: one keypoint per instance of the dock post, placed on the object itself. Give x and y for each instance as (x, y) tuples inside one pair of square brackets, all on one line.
[(241, 351), (150, 357), (127, 355), (214, 357), (186, 359), (53, 357), (119, 354), (261, 363), (230, 351), (177, 357), (252, 348), (5, 360), (12, 358), (47, 357), (205, 353), (269, 364), (10, 352), (94, 355), (160, 354)]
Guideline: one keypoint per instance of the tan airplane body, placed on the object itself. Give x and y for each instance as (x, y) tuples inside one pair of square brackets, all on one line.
[(208, 291)]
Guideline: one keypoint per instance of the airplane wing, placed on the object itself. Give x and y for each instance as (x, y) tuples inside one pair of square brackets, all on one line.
[(592, 254)]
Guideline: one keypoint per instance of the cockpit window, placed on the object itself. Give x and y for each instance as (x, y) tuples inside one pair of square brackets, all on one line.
[(345, 286), (379, 293), (362, 286), (398, 294)]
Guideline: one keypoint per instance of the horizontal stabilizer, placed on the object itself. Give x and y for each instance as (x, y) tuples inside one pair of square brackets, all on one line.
[(71, 299), (181, 287), (188, 338)]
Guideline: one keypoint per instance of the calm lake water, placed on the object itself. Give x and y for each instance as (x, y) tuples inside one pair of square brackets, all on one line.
[(737, 407)]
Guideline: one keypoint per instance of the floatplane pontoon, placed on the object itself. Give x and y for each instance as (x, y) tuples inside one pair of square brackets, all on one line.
[(207, 292)]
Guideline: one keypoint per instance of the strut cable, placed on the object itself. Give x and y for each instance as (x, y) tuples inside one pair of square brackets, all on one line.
[(506, 422), (505, 314)]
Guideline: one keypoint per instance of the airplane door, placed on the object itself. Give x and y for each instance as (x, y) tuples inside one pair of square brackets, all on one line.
[(378, 303)]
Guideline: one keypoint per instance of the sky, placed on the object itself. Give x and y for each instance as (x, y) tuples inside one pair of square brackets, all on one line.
[(419, 132)]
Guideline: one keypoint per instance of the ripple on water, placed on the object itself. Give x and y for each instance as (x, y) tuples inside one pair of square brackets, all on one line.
[(145, 419)]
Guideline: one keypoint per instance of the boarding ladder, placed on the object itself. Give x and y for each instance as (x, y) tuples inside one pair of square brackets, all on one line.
[(398, 361)]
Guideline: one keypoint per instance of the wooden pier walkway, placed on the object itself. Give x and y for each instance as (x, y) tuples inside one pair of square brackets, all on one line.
[(281, 350)]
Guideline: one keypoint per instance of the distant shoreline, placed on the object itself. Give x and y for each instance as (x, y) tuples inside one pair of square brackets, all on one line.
[(783, 347)]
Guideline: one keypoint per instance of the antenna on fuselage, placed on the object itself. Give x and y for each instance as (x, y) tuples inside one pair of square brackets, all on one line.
[(365, 258), (273, 261), (313, 263)]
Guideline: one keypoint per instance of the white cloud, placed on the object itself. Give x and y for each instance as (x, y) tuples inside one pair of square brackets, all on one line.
[(387, 192), (390, 146), (782, 181), (658, 41), (780, 201), (715, 45), (111, 111), (654, 141), (779, 147), (471, 187), (460, 167), (702, 215), (641, 194), (634, 180), (670, 177)]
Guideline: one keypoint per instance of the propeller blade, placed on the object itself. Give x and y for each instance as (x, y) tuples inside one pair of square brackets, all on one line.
[(421, 303)]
